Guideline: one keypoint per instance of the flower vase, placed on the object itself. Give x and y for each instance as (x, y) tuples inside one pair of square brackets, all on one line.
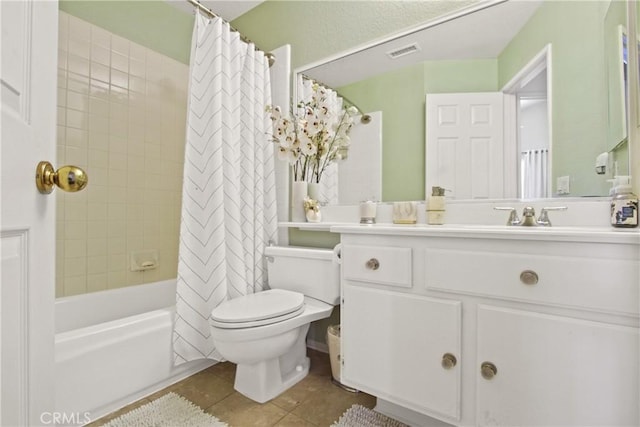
[(314, 215), (298, 194), (313, 189)]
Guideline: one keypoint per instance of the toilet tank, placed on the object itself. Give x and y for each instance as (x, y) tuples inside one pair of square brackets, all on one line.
[(311, 272)]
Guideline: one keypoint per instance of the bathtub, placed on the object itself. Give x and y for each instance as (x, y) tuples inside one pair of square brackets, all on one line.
[(114, 347)]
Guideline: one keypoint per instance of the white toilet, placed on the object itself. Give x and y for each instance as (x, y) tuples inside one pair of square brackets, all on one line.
[(265, 333)]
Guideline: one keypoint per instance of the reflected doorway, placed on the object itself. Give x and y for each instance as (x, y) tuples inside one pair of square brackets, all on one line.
[(531, 90)]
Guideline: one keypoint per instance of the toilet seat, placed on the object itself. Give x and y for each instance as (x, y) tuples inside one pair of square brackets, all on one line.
[(262, 308)]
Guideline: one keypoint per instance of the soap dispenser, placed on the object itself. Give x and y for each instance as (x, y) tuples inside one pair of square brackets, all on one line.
[(435, 206), (624, 204)]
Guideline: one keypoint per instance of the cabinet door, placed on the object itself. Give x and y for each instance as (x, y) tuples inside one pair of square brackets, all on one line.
[(393, 346), (555, 371)]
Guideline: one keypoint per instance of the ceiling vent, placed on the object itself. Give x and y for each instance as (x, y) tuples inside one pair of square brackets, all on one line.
[(406, 50)]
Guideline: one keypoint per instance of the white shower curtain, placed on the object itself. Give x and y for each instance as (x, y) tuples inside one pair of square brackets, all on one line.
[(228, 197), (534, 174)]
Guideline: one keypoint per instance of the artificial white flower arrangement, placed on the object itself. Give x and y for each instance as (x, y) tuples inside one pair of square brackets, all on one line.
[(315, 136)]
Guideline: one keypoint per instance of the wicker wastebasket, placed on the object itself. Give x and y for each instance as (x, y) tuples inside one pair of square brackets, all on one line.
[(333, 341)]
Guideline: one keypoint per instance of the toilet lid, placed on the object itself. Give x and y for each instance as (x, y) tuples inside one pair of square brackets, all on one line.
[(258, 309)]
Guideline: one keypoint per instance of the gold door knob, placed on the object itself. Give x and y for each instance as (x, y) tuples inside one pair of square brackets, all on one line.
[(488, 370), (373, 264), (448, 361), (529, 277), (68, 178)]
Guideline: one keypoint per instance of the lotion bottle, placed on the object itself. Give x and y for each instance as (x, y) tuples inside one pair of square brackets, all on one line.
[(436, 206)]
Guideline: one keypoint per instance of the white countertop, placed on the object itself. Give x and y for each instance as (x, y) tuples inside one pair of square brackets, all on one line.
[(560, 233)]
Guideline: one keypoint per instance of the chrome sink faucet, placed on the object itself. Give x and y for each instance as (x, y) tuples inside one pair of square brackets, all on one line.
[(529, 216)]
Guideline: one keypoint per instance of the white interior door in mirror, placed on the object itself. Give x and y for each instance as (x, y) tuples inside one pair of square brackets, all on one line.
[(465, 144), (360, 175)]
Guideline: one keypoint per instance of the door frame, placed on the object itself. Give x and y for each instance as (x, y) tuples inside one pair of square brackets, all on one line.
[(541, 61)]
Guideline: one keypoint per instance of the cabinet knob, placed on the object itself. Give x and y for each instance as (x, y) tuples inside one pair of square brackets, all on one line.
[(373, 264), (448, 361), (529, 277), (488, 370)]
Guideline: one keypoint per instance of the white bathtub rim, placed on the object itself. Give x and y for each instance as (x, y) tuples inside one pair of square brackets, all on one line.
[(111, 332), (96, 308)]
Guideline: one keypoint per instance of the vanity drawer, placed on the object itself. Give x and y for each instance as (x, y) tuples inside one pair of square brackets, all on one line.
[(577, 282), (377, 264)]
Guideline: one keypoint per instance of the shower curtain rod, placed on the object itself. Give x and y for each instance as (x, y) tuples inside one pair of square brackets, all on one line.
[(270, 56), (365, 117)]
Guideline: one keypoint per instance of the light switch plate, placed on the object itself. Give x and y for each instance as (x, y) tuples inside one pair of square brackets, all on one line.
[(562, 185)]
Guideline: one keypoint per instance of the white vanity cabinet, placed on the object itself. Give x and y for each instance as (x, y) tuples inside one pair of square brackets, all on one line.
[(551, 370), (480, 328), (402, 347)]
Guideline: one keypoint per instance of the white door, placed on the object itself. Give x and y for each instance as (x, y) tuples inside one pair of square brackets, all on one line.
[(465, 144), (555, 371), (27, 288)]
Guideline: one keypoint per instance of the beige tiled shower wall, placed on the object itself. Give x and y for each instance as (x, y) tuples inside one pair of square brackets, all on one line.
[(121, 117)]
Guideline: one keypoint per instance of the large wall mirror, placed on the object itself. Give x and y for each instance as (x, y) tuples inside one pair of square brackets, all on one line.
[(481, 49)]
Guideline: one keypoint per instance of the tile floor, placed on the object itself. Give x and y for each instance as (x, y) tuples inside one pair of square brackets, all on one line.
[(314, 401)]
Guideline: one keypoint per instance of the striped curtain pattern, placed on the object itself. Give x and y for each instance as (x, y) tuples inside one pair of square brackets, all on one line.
[(534, 174), (228, 197)]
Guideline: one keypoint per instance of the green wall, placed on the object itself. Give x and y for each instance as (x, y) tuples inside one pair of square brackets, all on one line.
[(580, 98), (580, 107), (400, 95), (579, 85), (154, 24)]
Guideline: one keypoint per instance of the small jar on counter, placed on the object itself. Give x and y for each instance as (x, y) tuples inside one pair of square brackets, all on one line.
[(436, 206)]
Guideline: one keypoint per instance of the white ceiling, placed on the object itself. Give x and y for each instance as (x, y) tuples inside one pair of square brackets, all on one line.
[(227, 9), (479, 35)]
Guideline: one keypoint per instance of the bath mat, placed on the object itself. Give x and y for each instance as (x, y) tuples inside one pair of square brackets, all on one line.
[(359, 416), (169, 410)]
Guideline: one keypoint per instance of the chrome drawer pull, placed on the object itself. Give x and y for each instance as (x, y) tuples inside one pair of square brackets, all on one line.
[(488, 370), (448, 361), (529, 277), (373, 264)]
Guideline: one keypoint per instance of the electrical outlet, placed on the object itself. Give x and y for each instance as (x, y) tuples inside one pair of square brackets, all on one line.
[(562, 185)]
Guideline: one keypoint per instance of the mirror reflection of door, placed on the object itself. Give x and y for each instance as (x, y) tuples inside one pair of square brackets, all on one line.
[(465, 144), (533, 138), (453, 155), (532, 92)]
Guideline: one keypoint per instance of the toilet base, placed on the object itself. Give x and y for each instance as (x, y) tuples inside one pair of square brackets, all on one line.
[(265, 380), (262, 382)]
